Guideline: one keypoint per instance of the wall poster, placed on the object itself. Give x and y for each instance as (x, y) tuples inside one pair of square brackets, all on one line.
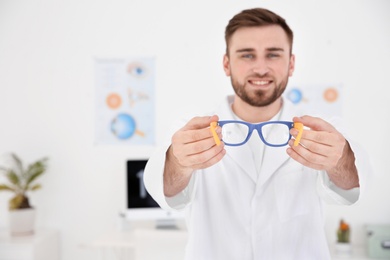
[(125, 101), (325, 100)]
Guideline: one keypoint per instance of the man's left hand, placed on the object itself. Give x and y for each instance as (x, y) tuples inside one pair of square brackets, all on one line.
[(322, 147)]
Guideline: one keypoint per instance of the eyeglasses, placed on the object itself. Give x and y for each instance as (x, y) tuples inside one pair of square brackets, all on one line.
[(272, 133)]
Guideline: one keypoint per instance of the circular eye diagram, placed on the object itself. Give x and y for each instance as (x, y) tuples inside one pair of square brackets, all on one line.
[(295, 95), (123, 126), (113, 101), (137, 70), (331, 95)]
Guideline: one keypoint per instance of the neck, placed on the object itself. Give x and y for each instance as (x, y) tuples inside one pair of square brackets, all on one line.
[(253, 114)]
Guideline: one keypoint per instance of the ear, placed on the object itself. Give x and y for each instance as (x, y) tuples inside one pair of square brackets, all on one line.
[(226, 65), (291, 66)]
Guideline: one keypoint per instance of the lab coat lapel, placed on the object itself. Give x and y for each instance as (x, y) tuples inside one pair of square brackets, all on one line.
[(275, 157), (242, 155)]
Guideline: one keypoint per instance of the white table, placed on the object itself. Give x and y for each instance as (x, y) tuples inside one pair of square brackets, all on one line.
[(359, 252), (141, 244), (149, 243), (42, 245)]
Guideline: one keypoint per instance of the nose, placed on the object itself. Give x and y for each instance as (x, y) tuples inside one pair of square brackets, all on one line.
[(261, 67)]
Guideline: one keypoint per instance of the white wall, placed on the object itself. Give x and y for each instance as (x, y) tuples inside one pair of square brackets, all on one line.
[(47, 91)]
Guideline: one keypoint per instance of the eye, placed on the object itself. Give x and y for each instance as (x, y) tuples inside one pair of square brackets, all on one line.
[(248, 56), (137, 70), (273, 55)]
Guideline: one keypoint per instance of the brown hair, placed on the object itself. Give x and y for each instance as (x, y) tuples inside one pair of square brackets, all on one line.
[(256, 17)]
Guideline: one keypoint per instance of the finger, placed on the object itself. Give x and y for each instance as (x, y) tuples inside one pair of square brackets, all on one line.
[(208, 158), (318, 148), (317, 156), (314, 152), (304, 157), (218, 157), (317, 137), (199, 146), (186, 143), (191, 136), (198, 160), (315, 123), (320, 137), (316, 141), (200, 122)]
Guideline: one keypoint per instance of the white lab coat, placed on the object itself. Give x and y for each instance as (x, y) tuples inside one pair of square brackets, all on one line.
[(235, 214)]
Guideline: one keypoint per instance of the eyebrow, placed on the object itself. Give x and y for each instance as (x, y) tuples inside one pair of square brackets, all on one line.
[(275, 49), (251, 49), (245, 50)]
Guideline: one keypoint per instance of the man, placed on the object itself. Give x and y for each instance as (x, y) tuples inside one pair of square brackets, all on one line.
[(256, 200)]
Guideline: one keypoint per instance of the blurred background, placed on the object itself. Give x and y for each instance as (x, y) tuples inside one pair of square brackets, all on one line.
[(47, 93)]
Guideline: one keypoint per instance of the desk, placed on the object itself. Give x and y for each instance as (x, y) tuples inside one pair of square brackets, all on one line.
[(148, 243), (359, 252), (42, 245), (142, 244)]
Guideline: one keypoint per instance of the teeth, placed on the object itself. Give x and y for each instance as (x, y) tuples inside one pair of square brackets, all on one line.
[(260, 82)]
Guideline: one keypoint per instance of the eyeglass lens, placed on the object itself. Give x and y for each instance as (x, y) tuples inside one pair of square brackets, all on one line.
[(276, 134)]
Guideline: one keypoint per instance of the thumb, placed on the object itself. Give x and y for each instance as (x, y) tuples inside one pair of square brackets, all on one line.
[(315, 123), (200, 122)]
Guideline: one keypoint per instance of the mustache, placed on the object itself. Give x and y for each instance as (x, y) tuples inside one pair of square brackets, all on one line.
[(258, 75)]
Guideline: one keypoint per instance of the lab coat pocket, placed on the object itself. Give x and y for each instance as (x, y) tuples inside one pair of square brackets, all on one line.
[(294, 191)]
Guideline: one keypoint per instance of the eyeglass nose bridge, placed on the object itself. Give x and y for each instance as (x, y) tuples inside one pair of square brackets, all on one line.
[(258, 128)]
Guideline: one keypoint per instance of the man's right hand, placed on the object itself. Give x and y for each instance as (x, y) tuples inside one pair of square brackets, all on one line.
[(193, 147)]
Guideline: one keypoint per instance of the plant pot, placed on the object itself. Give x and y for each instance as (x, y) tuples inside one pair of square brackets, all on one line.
[(21, 221), (343, 249)]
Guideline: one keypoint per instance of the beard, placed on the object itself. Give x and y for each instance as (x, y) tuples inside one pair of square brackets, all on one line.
[(258, 98)]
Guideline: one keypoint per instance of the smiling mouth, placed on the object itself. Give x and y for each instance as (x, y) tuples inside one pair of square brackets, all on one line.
[(260, 82)]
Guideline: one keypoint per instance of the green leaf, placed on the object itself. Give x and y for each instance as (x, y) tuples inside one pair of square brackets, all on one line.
[(13, 178), (6, 187), (18, 163), (34, 171), (35, 187)]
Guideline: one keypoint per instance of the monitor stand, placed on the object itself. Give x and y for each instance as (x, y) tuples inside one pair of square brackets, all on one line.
[(169, 224)]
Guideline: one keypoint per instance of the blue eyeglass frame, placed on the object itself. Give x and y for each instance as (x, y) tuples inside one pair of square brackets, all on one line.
[(258, 127)]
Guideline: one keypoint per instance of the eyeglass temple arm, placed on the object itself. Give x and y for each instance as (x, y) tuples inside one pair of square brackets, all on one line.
[(213, 125), (299, 127)]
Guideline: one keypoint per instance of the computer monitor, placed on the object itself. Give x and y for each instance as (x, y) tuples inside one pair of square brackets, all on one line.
[(140, 205)]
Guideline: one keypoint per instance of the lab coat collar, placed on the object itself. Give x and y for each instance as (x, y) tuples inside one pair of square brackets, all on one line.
[(274, 157)]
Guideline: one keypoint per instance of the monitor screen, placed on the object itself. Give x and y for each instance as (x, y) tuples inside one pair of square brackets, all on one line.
[(140, 205), (137, 196)]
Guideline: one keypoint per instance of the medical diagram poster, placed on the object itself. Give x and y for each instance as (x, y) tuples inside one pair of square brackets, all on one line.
[(321, 100), (125, 101)]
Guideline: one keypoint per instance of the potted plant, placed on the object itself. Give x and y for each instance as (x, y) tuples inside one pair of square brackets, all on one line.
[(21, 180), (343, 246)]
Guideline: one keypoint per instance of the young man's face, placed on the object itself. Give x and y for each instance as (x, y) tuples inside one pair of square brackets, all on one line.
[(259, 64)]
